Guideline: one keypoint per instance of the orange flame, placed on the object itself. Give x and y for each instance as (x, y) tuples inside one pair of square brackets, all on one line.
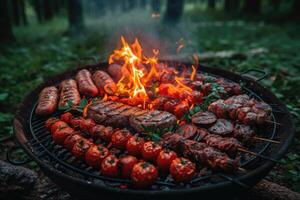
[(132, 57)]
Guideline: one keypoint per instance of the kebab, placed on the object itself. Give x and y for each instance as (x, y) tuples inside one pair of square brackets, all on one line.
[(242, 108), (200, 152)]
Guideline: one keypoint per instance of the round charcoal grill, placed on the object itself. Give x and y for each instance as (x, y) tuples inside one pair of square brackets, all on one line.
[(83, 181)]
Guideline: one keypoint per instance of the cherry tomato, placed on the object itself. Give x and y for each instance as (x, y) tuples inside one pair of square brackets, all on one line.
[(50, 122), (150, 151), (95, 155), (86, 124), (81, 147), (126, 165), (182, 170), (71, 140), (110, 166), (66, 117), (75, 122), (143, 174), (60, 135), (164, 159), (134, 146), (181, 108), (119, 138), (58, 125)]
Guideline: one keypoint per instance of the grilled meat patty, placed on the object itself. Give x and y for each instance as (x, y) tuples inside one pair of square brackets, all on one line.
[(116, 114)]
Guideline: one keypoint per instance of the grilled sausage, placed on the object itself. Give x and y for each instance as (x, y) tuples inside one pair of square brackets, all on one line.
[(204, 118), (117, 72), (69, 92), (48, 99), (104, 82), (85, 83)]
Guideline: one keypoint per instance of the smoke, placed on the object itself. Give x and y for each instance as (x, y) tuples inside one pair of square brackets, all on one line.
[(148, 27)]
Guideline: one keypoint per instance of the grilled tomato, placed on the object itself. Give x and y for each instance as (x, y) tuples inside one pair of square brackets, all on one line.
[(110, 166), (58, 125), (150, 151), (143, 174), (50, 122), (60, 135), (164, 159), (182, 170), (80, 148), (95, 155), (126, 165), (71, 140), (119, 138), (134, 146), (66, 117)]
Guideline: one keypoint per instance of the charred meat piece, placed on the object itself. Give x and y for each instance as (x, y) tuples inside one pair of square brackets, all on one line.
[(204, 118), (85, 83), (155, 118), (188, 131), (222, 127), (243, 133), (104, 82), (48, 99), (68, 92)]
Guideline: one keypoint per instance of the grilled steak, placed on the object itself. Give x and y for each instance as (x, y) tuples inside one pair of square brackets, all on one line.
[(116, 114), (188, 131), (153, 118)]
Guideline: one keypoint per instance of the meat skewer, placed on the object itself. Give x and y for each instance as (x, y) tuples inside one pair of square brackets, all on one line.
[(242, 108), (200, 152), (85, 83), (104, 82), (68, 92), (47, 102)]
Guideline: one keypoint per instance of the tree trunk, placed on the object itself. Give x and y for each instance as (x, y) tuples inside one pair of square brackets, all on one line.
[(174, 11), (6, 33), (231, 5), (211, 4), (252, 6), (16, 12), (23, 12), (48, 9), (38, 8), (295, 11), (75, 15)]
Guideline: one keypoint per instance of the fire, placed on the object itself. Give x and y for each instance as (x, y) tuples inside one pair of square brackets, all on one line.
[(132, 58), (146, 75)]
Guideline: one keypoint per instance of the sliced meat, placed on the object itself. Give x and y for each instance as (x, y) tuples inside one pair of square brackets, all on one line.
[(85, 83), (104, 82), (118, 72), (204, 118), (47, 102), (68, 92), (116, 114), (155, 118), (222, 127), (188, 131)]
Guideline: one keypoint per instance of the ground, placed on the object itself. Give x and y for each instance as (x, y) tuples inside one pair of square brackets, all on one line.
[(45, 50)]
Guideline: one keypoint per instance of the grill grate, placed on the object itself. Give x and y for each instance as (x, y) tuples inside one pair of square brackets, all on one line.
[(43, 146)]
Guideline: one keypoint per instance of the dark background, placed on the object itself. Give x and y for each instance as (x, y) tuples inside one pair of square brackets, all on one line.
[(40, 38)]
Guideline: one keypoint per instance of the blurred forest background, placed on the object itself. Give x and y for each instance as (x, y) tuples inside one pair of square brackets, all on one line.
[(40, 38)]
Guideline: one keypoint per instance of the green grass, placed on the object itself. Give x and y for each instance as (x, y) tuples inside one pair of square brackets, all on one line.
[(45, 50)]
